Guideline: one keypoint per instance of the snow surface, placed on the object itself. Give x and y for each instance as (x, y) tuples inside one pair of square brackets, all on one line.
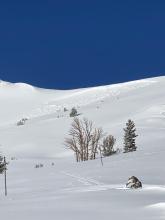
[(88, 190)]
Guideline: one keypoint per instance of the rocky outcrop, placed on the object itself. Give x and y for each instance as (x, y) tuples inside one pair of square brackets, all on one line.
[(133, 183)]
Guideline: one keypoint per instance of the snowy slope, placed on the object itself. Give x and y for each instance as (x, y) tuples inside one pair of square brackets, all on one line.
[(87, 190)]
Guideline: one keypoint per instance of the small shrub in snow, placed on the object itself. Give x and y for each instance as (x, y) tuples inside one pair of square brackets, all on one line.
[(129, 137), (22, 121), (39, 165), (65, 109), (108, 146), (73, 112), (13, 158)]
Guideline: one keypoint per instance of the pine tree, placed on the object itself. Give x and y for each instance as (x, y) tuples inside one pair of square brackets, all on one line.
[(129, 137), (2, 165), (73, 112)]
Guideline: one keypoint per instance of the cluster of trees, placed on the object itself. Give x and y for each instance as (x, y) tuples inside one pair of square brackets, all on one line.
[(87, 142)]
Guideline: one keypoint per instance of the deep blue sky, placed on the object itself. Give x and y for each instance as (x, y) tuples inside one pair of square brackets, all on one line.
[(69, 44)]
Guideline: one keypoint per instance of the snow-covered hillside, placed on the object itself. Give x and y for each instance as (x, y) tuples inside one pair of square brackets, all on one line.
[(86, 190)]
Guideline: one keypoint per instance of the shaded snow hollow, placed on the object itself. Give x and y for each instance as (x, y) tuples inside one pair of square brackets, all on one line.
[(86, 190)]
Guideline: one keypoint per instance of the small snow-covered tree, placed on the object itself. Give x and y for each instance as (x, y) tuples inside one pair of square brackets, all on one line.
[(3, 168), (73, 112), (2, 165), (130, 137), (108, 146)]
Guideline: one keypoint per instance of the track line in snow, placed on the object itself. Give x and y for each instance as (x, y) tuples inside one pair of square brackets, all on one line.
[(92, 184), (84, 180)]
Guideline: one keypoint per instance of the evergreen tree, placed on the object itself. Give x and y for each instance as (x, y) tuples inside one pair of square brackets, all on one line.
[(73, 112), (129, 137), (2, 165)]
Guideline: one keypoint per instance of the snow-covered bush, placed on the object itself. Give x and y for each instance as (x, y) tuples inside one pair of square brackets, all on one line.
[(39, 165), (129, 137), (65, 109), (108, 146), (22, 121), (13, 158), (73, 112)]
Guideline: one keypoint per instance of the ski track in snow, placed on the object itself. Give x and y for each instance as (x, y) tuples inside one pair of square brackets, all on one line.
[(90, 184)]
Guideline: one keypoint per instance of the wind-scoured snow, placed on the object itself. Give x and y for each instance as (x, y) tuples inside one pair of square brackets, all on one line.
[(88, 190)]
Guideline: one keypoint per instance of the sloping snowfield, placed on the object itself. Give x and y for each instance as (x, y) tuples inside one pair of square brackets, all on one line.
[(88, 190)]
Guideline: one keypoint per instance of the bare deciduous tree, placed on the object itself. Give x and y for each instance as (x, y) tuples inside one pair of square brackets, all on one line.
[(84, 140), (95, 139)]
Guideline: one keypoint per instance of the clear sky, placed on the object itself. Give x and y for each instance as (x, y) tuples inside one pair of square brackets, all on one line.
[(79, 43)]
